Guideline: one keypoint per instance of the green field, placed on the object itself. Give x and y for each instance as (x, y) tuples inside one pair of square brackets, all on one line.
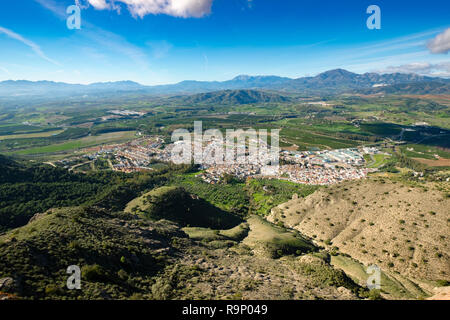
[(424, 151), (377, 160), (113, 137), (274, 240), (31, 135)]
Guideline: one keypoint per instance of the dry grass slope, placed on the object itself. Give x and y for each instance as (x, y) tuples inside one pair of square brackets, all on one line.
[(401, 227)]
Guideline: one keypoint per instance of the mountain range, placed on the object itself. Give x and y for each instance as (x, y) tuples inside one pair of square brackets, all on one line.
[(329, 82)]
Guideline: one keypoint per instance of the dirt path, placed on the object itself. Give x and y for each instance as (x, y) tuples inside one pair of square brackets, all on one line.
[(79, 165), (51, 164)]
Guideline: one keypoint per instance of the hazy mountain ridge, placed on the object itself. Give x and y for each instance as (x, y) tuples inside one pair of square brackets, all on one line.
[(333, 81), (37, 88), (340, 80)]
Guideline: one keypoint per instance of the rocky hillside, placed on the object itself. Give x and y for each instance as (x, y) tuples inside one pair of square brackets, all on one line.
[(140, 255), (118, 254)]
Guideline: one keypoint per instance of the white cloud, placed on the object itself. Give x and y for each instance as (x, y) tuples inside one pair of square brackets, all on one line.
[(27, 42), (99, 4), (439, 69), (176, 8), (441, 43)]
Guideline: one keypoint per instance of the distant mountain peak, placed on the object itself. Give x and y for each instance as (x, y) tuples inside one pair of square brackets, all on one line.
[(242, 77), (337, 72)]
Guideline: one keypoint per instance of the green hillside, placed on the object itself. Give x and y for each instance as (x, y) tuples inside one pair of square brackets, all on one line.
[(176, 204)]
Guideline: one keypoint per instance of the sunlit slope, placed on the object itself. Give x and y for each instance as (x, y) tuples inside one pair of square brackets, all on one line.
[(403, 228)]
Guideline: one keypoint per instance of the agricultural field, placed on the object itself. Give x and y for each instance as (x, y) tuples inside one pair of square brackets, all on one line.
[(341, 123), (377, 160), (77, 144)]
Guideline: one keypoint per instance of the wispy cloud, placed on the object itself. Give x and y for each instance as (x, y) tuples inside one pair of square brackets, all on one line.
[(29, 43), (51, 5), (104, 38), (141, 8), (415, 42), (374, 57), (441, 43)]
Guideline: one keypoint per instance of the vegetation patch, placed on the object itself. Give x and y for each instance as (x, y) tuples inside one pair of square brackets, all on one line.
[(265, 194), (176, 204), (275, 241)]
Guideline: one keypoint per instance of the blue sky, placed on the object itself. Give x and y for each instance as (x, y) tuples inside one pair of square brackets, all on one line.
[(166, 41)]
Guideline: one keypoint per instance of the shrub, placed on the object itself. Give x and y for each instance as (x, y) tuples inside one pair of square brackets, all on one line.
[(443, 283), (122, 274), (94, 273), (375, 294), (162, 289), (52, 290)]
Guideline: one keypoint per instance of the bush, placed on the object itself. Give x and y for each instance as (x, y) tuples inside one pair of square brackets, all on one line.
[(375, 294), (162, 289), (94, 273), (122, 274), (52, 290), (443, 283)]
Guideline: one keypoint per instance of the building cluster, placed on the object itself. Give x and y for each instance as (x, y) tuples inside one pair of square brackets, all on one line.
[(215, 173), (329, 158), (309, 167), (131, 156), (318, 175), (127, 113)]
